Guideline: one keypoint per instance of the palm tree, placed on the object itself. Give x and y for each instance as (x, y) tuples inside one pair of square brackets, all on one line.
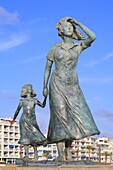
[(46, 154), (77, 152), (89, 148), (106, 154)]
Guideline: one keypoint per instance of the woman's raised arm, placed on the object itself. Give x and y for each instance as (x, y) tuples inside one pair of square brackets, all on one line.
[(91, 35)]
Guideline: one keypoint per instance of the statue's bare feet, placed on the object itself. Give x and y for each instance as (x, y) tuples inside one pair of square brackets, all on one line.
[(59, 159), (35, 159), (26, 158), (69, 159), (45, 143)]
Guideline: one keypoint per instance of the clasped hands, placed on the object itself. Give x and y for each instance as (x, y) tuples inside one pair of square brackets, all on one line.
[(45, 92)]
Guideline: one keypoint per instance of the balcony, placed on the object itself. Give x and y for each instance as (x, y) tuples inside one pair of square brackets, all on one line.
[(16, 129), (5, 140), (5, 154), (11, 141), (5, 134), (0, 127), (17, 148), (17, 156), (16, 135), (6, 128), (11, 155), (11, 129), (5, 148)]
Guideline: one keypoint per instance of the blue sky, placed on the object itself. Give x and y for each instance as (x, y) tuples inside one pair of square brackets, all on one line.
[(28, 30)]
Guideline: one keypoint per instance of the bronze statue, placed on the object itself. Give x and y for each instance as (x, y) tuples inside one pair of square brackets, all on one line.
[(30, 133), (70, 116)]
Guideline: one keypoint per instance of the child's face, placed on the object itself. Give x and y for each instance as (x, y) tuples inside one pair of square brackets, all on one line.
[(24, 90), (29, 89)]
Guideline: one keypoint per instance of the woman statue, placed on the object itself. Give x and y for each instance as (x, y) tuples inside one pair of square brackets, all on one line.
[(70, 116), (30, 133)]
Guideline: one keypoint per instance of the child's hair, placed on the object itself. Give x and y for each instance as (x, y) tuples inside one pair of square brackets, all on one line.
[(24, 90)]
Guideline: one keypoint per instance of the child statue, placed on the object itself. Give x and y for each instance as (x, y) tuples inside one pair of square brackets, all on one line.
[(30, 133)]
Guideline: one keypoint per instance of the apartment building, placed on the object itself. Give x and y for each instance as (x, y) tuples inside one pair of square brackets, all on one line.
[(95, 149), (105, 146), (9, 136), (84, 148)]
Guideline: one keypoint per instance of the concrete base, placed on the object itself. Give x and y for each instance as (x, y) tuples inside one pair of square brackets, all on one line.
[(67, 167), (53, 165), (46, 163)]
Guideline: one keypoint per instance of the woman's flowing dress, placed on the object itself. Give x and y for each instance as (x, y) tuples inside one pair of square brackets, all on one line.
[(70, 116)]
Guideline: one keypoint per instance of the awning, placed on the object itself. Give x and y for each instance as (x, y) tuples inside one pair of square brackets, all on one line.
[(83, 157), (45, 151), (30, 153), (5, 152), (11, 146), (50, 157), (73, 157)]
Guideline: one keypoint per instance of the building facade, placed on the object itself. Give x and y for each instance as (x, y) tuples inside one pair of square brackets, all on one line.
[(95, 149), (9, 136)]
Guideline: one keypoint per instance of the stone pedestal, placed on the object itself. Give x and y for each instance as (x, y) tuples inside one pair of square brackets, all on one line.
[(23, 164), (67, 167)]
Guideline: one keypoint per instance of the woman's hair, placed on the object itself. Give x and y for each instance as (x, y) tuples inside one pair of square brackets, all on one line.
[(24, 91), (76, 34)]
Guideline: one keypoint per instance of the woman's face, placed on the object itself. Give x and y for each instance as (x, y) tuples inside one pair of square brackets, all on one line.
[(67, 28)]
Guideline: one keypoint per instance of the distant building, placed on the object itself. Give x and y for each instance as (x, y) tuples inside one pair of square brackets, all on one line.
[(9, 136)]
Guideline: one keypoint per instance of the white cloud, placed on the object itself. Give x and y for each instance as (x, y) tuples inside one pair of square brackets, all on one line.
[(109, 56), (97, 99), (104, 113), (104, 80), (106, 133), (8, 18), (13, 41), (93, 63), (32, 59), (37, 20), (9, 94)]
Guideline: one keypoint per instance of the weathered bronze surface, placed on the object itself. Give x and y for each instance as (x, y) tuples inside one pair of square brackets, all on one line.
[(30, 133), (70, 116)]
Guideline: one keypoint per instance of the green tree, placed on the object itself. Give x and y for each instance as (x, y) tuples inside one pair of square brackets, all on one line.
[(89, 148), (46, 154), (75, 152), (106, 154)]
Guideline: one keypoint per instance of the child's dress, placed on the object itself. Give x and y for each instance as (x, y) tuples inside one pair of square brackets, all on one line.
[(30, 133)]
